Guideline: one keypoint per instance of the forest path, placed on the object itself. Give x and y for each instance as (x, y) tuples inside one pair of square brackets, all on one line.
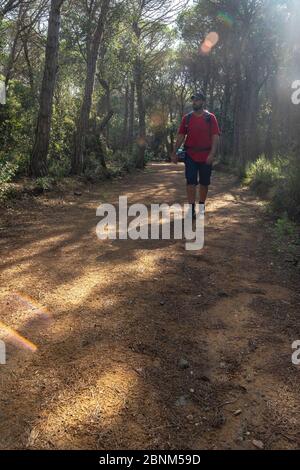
[(104, 326)]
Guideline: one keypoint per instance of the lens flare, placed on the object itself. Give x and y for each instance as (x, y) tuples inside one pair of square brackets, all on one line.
[(205, 49), (141, 142), (37, 311), (157, 119), (209, 42), (212, 39), (31, 304), (225, 18), (29, 313), (15, 337)]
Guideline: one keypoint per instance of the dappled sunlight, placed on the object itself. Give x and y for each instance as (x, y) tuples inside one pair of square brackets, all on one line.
[(37, 247), (78, 289), (106, 372), (75, 291), (96, 404)]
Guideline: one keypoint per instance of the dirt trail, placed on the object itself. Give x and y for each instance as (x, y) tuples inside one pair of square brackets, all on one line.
[(112, 320)]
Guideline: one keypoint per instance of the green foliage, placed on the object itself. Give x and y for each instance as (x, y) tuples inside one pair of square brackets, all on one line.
[(286, 197), (94, 170), (170, 65), (59, 168), (7, 173), (45, 183), (284, 227), (121, 162), (277, 179), (61, 142), (286, 240), (118, 163), (16, 118), (262, 175)]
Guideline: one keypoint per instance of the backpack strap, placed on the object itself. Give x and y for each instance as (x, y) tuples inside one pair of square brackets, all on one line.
[(187, 121), (207, 117)]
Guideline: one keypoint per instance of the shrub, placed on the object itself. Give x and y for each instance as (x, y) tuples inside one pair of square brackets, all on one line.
[(286, 195), (279, 180), (44, 183), (284, 227), (121, 162), (7, 173), (263, 174), (59, 168)]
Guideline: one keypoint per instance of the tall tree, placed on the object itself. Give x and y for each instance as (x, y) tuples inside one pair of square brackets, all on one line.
[(92, 50), (38, 162), (149, 18)]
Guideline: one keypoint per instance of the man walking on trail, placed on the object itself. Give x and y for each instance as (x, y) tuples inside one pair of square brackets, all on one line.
[(201, 132)]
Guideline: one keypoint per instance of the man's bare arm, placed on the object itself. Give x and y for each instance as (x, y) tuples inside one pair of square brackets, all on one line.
[(179, 141)]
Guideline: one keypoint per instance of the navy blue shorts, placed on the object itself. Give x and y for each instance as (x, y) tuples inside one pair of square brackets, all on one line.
[(196, 172)]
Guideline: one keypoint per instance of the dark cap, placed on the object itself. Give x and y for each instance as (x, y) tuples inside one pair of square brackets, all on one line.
[(199, 95)]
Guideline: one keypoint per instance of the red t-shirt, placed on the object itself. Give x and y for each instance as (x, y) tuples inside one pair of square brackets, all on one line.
[(200, 134)]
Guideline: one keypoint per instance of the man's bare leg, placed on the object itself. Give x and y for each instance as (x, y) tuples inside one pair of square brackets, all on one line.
[(202, 198), (191, 193), (191, 196), (203, 193)]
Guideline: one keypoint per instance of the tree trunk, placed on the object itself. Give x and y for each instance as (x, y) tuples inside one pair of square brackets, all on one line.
[(272, 122), (141, 142), (225, 132), (131, 116), (239, 125), (38, 162), (248, 108), (211, 95), (253, 141), (171, 133), (106, 87), (82, 123), (125, 121)]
